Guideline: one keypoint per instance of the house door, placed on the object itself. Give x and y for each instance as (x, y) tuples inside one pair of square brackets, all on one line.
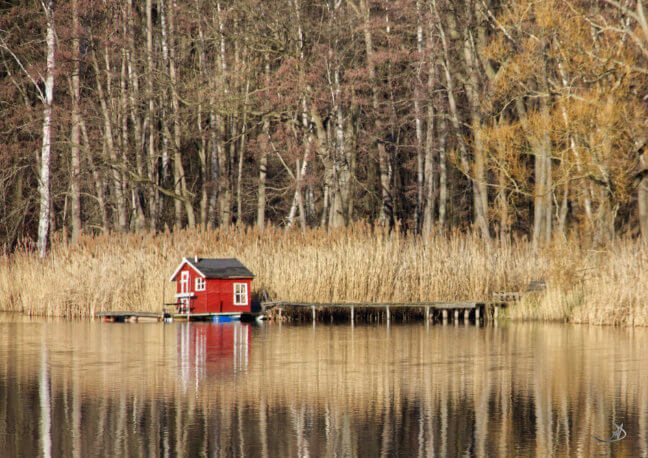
[(184, 289)]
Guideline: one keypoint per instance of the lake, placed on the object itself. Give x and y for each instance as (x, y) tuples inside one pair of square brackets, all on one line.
[(81, 388)]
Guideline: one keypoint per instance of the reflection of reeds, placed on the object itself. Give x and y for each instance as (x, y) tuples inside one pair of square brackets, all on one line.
[(335, 390), (359, 263)]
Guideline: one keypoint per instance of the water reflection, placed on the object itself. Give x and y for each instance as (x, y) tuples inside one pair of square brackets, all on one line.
[(188, 388), (206, 350)]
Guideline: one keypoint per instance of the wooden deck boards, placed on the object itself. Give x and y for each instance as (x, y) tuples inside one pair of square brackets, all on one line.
[(126, 313), (476, 309), (434, 305)]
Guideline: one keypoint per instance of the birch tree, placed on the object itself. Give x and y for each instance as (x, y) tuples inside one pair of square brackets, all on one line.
[(46, 151)]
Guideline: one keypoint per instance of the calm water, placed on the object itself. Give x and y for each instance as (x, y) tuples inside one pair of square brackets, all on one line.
[(107, 389)]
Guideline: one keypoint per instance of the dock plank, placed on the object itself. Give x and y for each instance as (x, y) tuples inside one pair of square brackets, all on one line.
[(437, 305), (127, 313)]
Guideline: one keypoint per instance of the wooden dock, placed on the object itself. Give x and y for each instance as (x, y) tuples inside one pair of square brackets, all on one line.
[(440, 311), (121, 316), (127, 316), (474, 311)]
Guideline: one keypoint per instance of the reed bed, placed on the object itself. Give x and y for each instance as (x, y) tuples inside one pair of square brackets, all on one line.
[(358, 263)]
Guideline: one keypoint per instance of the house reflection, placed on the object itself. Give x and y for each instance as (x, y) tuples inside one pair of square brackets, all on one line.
[(208, 350)]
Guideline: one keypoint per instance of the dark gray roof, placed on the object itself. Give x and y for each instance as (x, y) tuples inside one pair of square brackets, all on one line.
[(221, 267)]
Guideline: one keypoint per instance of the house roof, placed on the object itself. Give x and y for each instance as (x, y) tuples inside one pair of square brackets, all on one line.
[(215, 268)]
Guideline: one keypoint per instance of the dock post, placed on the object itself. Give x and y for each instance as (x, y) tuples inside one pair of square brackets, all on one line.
[(495, 310), (427, 314), (477, 315), (456, 316), (388, 315), (314, 314), (466, 316), (445, 316), (352, 314)]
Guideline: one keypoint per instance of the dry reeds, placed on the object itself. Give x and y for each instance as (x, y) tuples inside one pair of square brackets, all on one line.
[(359, 263)]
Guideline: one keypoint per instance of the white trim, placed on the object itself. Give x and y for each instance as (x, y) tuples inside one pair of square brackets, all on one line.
[(185, 286), (188, 262), (183, 295), (245, 285), (202, 286)]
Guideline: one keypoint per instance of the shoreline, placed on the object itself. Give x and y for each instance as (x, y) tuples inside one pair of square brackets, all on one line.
[(607, 285)]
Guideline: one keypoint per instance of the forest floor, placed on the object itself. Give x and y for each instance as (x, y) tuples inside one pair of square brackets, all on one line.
[(603, 285)]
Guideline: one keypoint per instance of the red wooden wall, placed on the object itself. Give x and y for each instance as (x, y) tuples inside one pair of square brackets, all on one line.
[(218, 296)]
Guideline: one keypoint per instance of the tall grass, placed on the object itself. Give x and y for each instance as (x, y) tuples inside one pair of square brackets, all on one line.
[(359, 263)]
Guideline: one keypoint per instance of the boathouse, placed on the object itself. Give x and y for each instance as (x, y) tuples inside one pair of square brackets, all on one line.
[(212, 286)]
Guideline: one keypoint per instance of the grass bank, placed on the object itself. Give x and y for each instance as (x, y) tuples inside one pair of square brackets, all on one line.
[(131, 271)]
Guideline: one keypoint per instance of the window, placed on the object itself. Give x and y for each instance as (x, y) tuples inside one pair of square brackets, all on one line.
[(200, 284), (184, 282), (240, 294)]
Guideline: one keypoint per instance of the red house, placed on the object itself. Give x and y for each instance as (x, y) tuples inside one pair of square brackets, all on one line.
[(210, 287)]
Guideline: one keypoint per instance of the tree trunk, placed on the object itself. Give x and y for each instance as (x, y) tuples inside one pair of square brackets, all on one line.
[(225, 193), (152, 160), (429, 179), (75, 135), (204, 165), (502, 203), (418, 122), (242, 149), (204, 141), (178, 168), (350, 147), (43, 185), (109, 144), (341, 176), (587, 201), (323, 143), (214, 155), (642, 200), (134, 98), (99, 180), (430, 169), (387, 206), (300, 170), (542, 203), (263, 173), (443, 173), (122, 122), (480, 190), (454, 112), (564, 207), (548, 204), (225, 179)]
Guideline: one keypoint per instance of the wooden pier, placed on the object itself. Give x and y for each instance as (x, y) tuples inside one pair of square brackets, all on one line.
[(121, 316), (474, 311), (443, 312), (169, 311)]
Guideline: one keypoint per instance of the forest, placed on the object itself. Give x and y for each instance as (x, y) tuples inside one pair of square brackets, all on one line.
[(515, 118)]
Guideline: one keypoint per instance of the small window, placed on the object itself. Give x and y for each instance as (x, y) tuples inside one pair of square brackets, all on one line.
[(240, 294), (200, 284), (184, 282)]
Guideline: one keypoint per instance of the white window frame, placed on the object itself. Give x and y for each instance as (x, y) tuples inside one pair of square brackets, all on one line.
[(200, 284), (240, 289), (184, 282)]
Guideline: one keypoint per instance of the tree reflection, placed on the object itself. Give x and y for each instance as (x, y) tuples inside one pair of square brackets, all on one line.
[(189, 389)]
